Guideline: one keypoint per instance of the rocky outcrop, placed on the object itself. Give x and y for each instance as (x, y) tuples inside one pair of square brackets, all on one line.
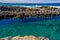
[(6, 38), (24, 38), (21, 12)]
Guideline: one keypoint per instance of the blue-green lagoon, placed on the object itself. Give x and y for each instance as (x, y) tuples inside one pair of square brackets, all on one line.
[(48, 27)]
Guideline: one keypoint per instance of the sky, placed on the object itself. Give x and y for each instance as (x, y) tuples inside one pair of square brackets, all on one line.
[(30, 1)]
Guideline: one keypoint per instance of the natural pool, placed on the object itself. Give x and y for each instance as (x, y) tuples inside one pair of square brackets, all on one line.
[(49, 27)]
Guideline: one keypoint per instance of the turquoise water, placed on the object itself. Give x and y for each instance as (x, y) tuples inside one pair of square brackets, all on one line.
[(48, 27), (29, 4)]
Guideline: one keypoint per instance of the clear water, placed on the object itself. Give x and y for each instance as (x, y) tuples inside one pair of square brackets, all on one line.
[(29, 4), (49, 27)]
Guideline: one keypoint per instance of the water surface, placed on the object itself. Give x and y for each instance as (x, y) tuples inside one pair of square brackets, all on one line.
[(48, 27)]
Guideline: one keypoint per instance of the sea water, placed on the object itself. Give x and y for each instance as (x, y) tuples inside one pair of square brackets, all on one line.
[(48, 27), (36, 26), (30, 4)]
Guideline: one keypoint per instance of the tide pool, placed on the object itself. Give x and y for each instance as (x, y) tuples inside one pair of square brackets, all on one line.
[(48, 27)]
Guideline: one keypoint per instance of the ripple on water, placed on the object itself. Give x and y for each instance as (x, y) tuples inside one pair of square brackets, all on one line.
[(49, 27)]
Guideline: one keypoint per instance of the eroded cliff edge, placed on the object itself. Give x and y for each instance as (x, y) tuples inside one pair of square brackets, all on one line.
[(21, 12)]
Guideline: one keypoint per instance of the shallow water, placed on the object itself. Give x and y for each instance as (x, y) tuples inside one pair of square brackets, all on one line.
[(49, 27)]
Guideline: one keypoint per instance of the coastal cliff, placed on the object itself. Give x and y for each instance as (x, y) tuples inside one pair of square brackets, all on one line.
[(21, 12)]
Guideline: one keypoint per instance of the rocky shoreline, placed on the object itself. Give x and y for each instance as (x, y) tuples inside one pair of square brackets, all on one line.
[(22, 12), (24, 38)]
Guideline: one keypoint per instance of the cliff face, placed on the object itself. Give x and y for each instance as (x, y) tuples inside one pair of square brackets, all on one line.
[(21, 12)]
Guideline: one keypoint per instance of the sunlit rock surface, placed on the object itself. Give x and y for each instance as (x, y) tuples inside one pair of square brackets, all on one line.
[(29, 38), (24, 38)]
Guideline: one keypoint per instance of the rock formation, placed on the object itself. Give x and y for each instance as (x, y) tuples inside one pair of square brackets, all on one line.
[(21, 12), (24, 38), (6, 38)]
